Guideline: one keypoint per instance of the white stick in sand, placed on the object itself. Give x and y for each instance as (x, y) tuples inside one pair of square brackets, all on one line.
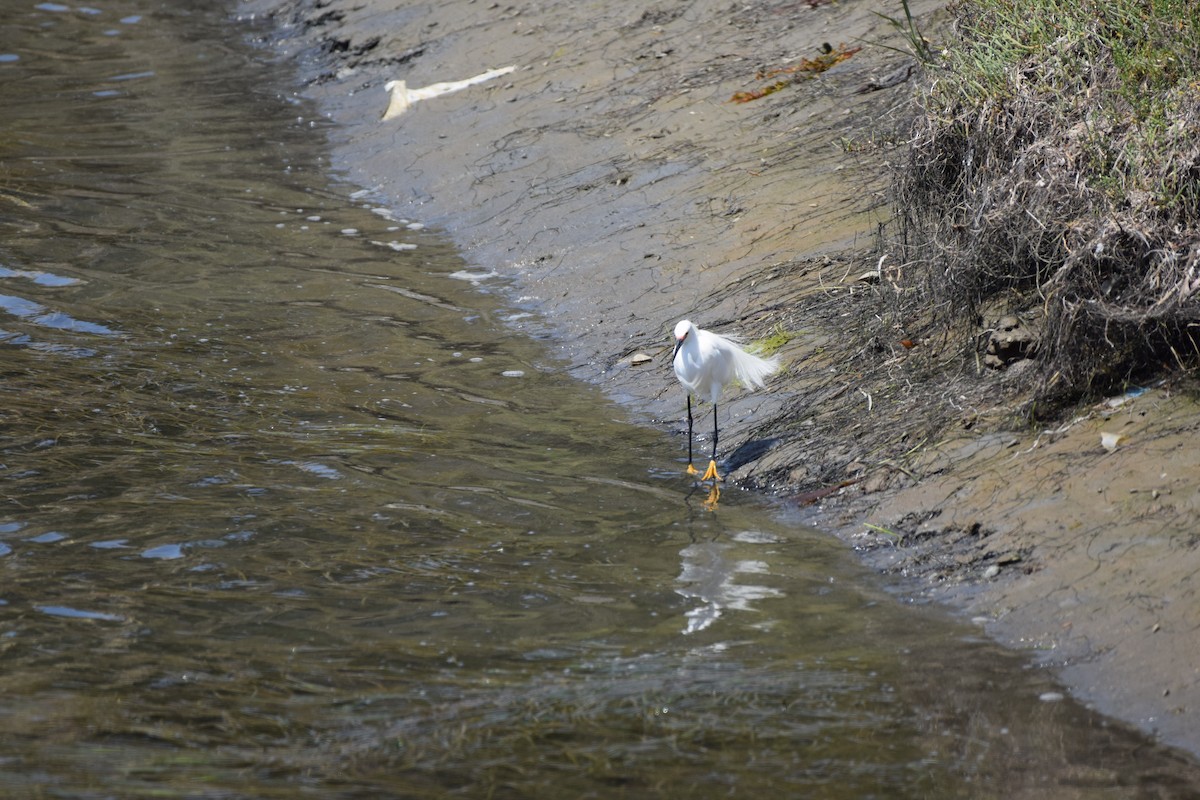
[(402, 97)]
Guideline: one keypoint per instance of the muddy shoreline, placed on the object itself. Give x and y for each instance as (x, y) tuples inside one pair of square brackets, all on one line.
[(609, 183)]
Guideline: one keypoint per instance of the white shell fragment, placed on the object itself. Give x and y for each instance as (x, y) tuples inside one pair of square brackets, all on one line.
[(402, 97), (1109, 441), (873, 275)]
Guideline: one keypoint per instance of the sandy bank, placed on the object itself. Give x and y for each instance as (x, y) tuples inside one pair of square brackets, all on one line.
[(610, 179)]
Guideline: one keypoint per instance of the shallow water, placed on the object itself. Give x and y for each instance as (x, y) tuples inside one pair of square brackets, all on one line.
[(288, 511)]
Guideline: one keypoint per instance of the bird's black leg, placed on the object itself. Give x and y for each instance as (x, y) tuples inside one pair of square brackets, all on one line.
[(714, 453), (690, 469), (711, 473)]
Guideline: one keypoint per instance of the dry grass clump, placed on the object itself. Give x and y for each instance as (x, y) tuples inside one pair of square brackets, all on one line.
[(1056, 164)]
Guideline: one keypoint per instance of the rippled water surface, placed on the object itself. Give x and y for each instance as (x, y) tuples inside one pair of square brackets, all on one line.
[(288, 512)]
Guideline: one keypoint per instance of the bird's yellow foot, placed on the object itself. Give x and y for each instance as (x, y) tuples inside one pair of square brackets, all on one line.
[(711, 474), (692, 470)]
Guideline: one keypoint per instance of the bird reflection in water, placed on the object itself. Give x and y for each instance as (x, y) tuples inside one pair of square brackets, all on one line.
[(709, 575)]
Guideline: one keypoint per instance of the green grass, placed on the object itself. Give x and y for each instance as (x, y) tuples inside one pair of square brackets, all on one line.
[(1054, 169), (773, 342), (1126, 71), (918, 46)]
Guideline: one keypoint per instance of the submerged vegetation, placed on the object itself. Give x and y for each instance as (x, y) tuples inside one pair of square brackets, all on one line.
[(1054, 174)]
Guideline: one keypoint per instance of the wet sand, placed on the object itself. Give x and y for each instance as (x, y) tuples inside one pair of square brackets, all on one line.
[(613, 188)]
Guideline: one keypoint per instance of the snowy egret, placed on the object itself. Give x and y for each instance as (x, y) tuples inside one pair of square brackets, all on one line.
[(704, 362)]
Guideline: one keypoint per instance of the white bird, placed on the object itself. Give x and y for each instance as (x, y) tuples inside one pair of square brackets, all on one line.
[(704, 362)]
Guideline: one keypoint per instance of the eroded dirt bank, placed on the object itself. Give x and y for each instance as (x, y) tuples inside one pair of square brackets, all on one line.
[(612, 183)]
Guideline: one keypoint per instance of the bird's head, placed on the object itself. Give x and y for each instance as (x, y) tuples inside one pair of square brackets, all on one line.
[(683, 329)]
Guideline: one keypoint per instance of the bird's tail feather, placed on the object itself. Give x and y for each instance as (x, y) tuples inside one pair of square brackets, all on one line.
[(752, 371)]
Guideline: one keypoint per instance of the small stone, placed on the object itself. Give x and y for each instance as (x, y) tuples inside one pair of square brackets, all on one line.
[(1019, 367), (1009, 342), (991, 572)]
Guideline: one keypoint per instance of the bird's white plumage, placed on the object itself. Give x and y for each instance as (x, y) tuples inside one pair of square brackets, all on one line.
[(705, 362)]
